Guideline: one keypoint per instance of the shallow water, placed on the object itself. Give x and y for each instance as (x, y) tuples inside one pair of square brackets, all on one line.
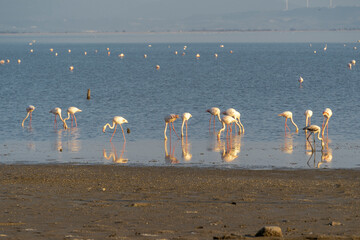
[(259, 80)]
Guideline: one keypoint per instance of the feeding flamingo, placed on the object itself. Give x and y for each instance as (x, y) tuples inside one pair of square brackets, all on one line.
[(57, 111), (308, 114), (287, 115), (214, 111), (227, 120), (327, 114), (185, 118), (235, 114), (71, 111), (117, 120), (170, 119), (29, 110), (314, 129)]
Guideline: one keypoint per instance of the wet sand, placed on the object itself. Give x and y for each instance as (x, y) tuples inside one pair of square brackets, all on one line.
[(117, 202)]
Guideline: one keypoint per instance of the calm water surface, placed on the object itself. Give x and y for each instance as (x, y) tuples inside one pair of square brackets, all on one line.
[(259, 80)]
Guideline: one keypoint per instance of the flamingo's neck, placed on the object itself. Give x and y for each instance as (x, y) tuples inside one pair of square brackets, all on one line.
[(218, 115), (326, 123), (322, 142), (64, 123), (292, 121), (27, 115), (182, 127), (68, 117)]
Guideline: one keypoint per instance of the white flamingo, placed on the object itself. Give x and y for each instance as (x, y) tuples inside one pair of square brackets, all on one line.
[(287, 115), (117, 120), (227, 120), (235, 114), (327, 115), (71, 111), (29, 110), (185, 118), (57, 111), (308, 114), (214, 111)]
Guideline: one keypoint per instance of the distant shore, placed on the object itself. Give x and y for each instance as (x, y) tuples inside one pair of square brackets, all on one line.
[(117, 202), (230, 36)]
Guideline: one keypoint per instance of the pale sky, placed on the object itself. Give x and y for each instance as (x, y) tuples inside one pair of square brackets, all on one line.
[(55, 14), (23, 9)]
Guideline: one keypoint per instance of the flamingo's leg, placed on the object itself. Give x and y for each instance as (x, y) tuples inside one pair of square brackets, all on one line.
[(186, 127), (122, 132), (113, 133), (75, 121), (165, 130), (174, 130)]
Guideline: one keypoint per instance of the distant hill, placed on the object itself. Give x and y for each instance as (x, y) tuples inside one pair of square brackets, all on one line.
[(297, 19), (339, 18)]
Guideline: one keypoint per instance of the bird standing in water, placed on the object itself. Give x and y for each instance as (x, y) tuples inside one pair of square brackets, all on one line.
[(327, 115), (314, 129), (214, 111), (71, 111), (301, 80), (29, 110), (308, 114), (235, 114), (287, 115), (227, 120), (57, 111), (117, 120), (170, 119), (185, 117)]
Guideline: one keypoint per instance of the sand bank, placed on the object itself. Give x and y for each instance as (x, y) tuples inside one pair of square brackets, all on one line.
[(117, 202)]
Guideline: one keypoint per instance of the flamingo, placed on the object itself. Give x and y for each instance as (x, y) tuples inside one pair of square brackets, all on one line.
[(185, 118), (227, 120), (353, 62), (170, 119), (327, 114), (286, 115), (116, 120), (214, 111), (314, 129), (349, 65), (57, 111), (235, 114), (29, 110), (71, 111), (301, 80), (308, 114)]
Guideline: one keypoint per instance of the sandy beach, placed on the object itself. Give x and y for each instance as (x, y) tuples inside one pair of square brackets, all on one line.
[(117, 202)]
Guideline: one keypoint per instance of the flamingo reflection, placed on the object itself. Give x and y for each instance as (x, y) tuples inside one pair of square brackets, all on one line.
[(231, 149), (186, 155), (74, 144), (114, 156), (58, 144), (170, 158), (326, 159), (288, 146)]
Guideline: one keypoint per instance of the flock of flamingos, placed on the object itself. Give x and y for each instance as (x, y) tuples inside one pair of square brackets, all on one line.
[(231, 116)]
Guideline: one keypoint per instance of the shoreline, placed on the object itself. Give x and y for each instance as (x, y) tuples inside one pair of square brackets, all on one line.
[(122, 202)]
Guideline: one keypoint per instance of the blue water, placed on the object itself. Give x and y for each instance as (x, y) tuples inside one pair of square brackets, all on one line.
[(259, 80)]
